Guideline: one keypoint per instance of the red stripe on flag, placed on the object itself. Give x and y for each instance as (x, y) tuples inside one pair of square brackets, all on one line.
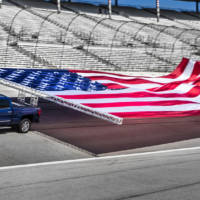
[(179, 70), (145, 103), (114, 86), (175, 84), (156, 114)]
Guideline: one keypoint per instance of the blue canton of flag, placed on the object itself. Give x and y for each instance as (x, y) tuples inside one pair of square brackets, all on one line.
[(50, 80)]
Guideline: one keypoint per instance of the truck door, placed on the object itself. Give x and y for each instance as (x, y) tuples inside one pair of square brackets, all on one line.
[(5, 112)]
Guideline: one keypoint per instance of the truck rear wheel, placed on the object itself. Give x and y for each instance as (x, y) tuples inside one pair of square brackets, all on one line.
[(24, 126)]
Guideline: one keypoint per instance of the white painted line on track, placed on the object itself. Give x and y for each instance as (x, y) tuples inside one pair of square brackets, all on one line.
[(98, 158)]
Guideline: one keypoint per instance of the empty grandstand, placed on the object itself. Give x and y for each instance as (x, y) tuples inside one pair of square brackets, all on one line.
[(33, 34)]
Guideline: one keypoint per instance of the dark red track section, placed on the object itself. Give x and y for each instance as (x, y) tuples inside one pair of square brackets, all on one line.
[(99, 136)]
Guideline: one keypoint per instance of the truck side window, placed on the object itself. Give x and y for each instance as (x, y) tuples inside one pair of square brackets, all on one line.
[(4, 103)]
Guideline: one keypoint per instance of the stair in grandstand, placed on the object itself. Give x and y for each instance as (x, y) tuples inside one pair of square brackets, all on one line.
[(34, 57), (66, 56), (10, 57)]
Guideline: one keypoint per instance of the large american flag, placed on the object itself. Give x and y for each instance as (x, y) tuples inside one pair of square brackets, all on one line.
[(176, 94), (118, 96)]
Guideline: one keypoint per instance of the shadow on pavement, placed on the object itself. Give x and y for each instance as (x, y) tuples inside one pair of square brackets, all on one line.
[(98, 136)]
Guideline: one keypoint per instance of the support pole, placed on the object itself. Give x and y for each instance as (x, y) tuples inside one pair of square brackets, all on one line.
[(0, 3), (58, 6), (158, 10), (197, 6), (110, 8), (116, 3)]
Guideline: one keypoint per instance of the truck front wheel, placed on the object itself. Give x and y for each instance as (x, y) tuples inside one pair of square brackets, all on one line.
[(24, 126)]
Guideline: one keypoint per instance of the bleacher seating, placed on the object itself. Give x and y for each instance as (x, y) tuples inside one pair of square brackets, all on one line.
[(10, 57), (65, 56), (82, 38)]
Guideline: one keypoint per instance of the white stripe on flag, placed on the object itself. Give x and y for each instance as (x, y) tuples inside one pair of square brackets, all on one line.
[(187, 107)]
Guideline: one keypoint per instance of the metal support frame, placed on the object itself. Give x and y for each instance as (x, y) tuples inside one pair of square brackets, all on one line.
[(90, 36), (58, 6), (197, 6), (63, 102), (21, 96), (66, 32), (116, 3), (110, 8), (158, 10), (37, 41), (34, 101)]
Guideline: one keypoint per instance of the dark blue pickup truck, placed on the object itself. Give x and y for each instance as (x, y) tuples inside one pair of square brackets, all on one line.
[(16, 115)]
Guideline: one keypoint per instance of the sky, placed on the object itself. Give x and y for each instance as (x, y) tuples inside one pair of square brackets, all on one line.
[(167, 4)]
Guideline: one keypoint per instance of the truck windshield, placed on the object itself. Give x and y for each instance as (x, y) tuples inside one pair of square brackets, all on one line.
[(4, 103)]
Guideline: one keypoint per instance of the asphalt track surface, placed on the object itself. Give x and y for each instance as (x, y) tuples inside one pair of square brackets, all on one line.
[(99, 137), (18, 149), (150, 176)]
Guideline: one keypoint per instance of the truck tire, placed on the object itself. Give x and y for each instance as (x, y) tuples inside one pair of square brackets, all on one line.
[(24, 126)]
